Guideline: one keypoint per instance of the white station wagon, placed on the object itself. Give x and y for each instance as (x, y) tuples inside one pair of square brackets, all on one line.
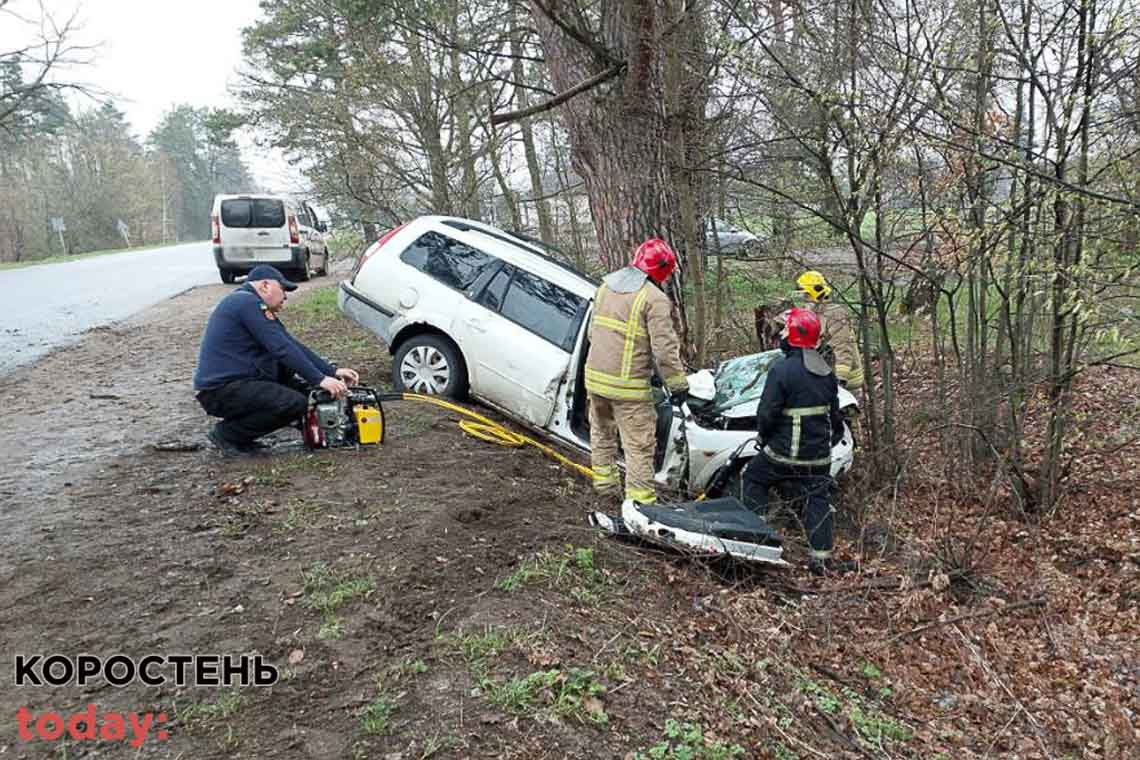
[(469, 309)]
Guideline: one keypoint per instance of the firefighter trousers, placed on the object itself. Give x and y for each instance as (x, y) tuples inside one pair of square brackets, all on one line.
[(810, 487), (635, 424)]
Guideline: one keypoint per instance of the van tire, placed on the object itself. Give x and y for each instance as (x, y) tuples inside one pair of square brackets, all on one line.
[(305, 272), (431, 349), (228, 276)]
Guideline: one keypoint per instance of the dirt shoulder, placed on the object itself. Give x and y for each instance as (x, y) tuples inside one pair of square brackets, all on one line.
[(442, 597)]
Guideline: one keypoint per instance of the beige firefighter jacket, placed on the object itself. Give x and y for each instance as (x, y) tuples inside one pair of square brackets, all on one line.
[(631, 326), (837, 335)]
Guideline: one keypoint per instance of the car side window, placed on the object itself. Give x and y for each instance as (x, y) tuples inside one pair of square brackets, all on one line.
[(492, 295), (543, 308), (449, 261)]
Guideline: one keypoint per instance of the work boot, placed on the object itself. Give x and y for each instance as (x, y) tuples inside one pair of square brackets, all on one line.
[(824, 566), (224, 445)]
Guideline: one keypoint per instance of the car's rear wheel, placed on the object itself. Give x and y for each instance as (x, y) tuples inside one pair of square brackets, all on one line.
[(228, 276), (431, 365)]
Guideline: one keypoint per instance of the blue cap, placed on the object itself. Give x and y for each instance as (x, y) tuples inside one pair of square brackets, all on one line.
[(266, 272)]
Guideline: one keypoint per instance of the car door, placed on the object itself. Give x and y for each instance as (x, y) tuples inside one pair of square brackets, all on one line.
[(518, 334), (317, 243)]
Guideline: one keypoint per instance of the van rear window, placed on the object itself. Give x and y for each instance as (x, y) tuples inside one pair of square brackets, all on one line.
[(253, 212)]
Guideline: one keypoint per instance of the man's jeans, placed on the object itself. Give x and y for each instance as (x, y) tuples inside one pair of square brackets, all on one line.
[(252, 408), (809, 484)]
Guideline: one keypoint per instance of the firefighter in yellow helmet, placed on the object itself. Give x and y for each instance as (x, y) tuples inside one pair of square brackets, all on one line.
[(632, 326), (839, 342)]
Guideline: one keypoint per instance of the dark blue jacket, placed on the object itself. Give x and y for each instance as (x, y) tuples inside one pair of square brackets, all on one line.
[(798, 418), (246, 341)]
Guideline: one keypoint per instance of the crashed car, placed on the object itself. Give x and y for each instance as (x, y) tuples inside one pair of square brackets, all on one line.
[(470, 309)]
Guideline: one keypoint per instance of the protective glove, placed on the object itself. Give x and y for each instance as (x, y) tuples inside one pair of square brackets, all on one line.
[(678, 397)]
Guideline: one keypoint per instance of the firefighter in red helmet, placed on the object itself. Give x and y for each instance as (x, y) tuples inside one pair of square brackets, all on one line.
[(798, 421), (631, 327)]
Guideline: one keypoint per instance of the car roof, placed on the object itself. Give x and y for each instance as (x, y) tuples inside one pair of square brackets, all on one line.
[(514, 250)]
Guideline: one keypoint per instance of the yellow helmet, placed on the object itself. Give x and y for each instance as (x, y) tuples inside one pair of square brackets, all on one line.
[(813, 285)]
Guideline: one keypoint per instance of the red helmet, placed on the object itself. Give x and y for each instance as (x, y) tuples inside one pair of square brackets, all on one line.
[(656, 259), (803, 328)]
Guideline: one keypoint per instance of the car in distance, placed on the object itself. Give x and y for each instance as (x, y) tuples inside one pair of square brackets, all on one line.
[(250, 229)]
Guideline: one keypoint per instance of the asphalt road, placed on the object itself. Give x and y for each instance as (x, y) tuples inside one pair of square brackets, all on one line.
[(50, 305)]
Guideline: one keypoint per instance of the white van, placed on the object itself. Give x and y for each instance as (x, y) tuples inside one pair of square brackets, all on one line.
[(267, 229)]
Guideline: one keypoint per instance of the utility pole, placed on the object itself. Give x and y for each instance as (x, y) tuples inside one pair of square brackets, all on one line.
[(162, 185)]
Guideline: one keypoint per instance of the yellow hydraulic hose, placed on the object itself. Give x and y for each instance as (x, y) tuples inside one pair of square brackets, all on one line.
[(478, 426)]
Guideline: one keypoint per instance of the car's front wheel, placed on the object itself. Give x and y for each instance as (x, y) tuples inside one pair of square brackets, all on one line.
[(431, 365), (228, 276)]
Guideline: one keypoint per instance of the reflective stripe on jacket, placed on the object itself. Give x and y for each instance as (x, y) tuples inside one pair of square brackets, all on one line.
[(798, 417), (632, 325)]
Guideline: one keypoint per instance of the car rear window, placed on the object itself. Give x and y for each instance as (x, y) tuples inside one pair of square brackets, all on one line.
[(253, 212), (449, 261), (543, 308)]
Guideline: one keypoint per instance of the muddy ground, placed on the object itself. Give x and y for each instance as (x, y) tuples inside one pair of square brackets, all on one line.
[(442, 597)]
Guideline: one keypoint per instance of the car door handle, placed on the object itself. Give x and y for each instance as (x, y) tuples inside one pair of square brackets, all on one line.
[(476, 325), (263, 234)]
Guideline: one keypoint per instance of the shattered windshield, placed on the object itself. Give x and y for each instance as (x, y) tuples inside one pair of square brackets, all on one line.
[(742, 379)]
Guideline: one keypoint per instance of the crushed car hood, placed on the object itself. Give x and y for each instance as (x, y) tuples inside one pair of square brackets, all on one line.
[(739, 382)]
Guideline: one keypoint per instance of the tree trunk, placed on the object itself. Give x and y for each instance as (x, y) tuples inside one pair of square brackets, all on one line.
[(461, 119), (428, 124), (534, 169), (617, 130)]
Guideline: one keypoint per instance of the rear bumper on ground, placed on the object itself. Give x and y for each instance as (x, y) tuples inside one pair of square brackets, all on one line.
[(291, 258)]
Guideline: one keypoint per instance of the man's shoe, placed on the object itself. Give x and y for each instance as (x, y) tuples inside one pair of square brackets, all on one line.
[(827, 566), (226, 447)]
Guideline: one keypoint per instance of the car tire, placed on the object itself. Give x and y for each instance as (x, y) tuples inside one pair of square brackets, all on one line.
[(431, 365), (305, 272), (228, 276), (324, 270)]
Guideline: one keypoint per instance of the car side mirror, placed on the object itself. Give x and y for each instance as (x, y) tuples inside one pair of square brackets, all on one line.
[(322, 227)]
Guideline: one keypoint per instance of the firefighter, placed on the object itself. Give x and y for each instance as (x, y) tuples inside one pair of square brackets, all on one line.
[(798, 421), (631, 327), (838, 342)]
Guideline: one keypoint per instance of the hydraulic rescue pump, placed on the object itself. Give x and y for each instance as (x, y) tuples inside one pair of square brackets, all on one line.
[(357, 419)]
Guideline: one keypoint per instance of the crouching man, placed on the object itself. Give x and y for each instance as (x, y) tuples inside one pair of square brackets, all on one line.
[(248, 361), (798, 420)]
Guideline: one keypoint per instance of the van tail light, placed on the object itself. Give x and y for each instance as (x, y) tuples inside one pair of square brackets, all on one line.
[(216, 229), (373, 249), (294, 233)]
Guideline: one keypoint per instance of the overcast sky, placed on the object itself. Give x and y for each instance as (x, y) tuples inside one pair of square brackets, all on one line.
[(154, 54)]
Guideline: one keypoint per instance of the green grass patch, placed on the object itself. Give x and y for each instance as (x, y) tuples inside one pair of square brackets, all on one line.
[(209, 713), (326, 590), (276, 474), (569, 693), (300, 515), (571, 570), (476, 648), (687, 741), (872, 724), (319, 306), (376, 716)]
